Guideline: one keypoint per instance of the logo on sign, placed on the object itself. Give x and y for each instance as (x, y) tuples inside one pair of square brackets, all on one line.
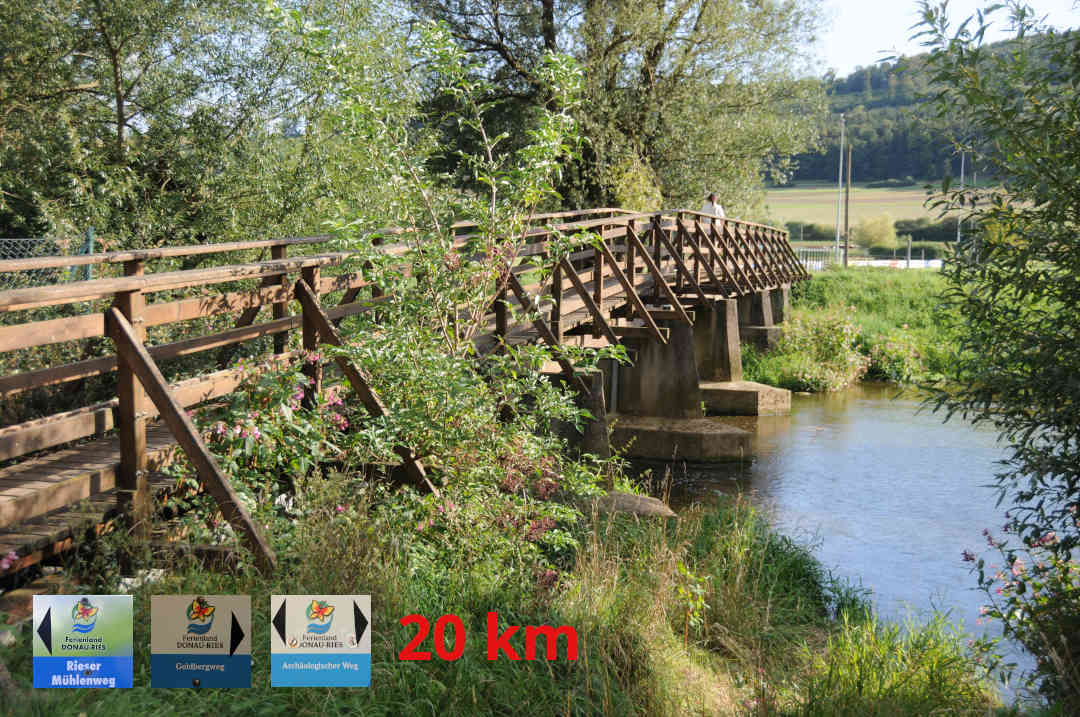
[(84, 616), (200, 614), (321, 615)]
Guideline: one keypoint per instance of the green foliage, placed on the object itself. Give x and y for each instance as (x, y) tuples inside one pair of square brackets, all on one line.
[(1035, 594), (166, 122), (817, 352), (876, 231), (1013, 285), (897, 318), (635, 186), (721, 109), (919, 250), (801, 231), (895, 358), (875, 668), (924, 230)]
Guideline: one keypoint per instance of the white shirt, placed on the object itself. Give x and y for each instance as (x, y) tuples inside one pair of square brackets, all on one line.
[(715, 210)]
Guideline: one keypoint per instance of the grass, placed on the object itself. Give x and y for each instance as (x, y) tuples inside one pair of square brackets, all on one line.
[(895, 322), (815, 203), (770, 635)]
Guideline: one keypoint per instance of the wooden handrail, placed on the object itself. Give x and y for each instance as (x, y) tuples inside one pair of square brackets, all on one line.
[(119, 257), (33, 297)]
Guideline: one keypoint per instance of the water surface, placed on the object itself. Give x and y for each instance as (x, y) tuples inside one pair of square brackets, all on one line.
[(890, 493)]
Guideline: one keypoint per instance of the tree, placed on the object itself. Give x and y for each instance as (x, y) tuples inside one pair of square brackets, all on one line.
[(1014, 286), (163, 120), (689, 96), (879, 231)]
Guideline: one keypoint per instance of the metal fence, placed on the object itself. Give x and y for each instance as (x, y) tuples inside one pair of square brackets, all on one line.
[(818, 258), (26, 248)]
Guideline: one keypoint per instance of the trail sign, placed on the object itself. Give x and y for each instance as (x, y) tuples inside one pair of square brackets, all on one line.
[(320, 640), (82, 641), (200, 641)]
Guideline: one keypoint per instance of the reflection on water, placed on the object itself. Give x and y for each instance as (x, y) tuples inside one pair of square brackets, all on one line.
[(891, 494)]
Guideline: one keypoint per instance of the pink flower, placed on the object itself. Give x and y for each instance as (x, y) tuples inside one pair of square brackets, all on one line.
[(8, 560), (340, 509)]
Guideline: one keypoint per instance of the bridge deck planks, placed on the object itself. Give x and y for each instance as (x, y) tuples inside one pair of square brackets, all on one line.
[(44, 484), (49, 535)]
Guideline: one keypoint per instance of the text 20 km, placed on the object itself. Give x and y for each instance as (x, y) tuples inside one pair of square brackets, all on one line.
[(496, 641)]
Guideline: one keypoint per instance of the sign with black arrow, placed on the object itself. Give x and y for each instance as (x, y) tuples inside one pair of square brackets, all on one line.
[(200, 641), (320, 640), (83, 641)]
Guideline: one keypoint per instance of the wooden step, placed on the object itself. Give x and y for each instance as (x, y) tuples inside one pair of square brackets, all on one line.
[(49, 535), (41, 485)]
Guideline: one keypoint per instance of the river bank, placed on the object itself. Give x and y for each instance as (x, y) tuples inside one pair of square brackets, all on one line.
[(712, 613), (850, 324), (715, 611)]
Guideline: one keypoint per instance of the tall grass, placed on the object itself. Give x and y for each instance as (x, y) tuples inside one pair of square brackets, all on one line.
[(765, 640), (873, 668), (898, 322)]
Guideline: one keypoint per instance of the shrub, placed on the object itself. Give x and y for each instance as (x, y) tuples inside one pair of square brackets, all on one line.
[(895, 358), (874, 231), (800, 231), (818, 352), (923, 230), (891, 183)]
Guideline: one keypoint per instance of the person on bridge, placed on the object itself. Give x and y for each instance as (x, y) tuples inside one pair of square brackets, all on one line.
[(712, 207)]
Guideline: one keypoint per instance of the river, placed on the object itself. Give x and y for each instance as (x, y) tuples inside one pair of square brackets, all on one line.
[(888, 493)]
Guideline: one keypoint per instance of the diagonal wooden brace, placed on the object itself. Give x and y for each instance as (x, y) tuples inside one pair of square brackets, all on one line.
[(598, 316), (133, 354), (632, 295), (658, 276), (546, 334), (358, 379)]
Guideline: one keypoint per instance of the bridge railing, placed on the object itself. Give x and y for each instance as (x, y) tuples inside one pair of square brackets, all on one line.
[(635, 272)]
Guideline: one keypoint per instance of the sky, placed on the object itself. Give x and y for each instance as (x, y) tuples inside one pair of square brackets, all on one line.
[(857, 31)]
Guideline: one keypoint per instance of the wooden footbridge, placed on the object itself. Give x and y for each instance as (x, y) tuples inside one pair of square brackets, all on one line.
[(639, 278)]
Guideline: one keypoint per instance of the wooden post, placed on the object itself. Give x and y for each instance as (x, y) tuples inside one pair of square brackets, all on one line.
[(279, 251), (500, 317), (598, 282), (657, 231), (556, 296), (312, 368), (134, 358), (694, 238), (677, 250), (631, 269), (133, 490)]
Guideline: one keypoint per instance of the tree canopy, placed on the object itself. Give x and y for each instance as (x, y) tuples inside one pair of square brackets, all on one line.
[(680, 97)]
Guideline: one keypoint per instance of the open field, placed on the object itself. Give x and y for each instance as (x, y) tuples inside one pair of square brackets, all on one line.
[(815, 203)]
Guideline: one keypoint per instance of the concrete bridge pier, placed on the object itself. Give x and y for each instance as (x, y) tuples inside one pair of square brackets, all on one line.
[(781, 303), (658, 407), (592, 437), (719, 356), (756, 322), (716, 341)]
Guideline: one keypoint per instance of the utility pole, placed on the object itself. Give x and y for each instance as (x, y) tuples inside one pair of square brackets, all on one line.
[(847, 209), (839, 183)]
